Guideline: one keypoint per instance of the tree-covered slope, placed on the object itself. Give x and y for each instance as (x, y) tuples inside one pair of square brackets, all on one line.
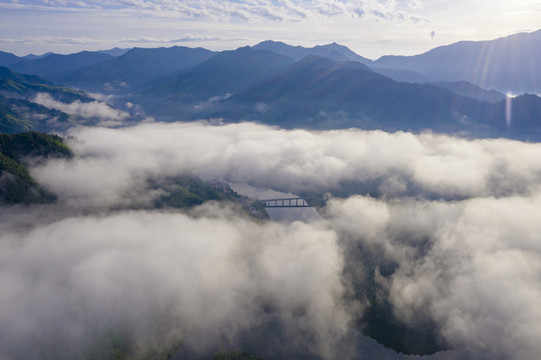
[(187, 191), (13, 84), (18, 115), (19, 112), (16, 183), (18, 186)]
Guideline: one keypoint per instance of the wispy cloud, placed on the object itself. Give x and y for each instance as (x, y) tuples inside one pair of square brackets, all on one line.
[(88, 110), (135, 40), (244, 10), (49, 40), (186, 38)]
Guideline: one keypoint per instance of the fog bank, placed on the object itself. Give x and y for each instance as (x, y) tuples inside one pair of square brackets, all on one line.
[(451, 240), (296, 161)]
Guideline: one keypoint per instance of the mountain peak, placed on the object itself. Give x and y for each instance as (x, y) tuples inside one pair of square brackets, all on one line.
[(114, 51), (333, 51), (270, 42), (7, 59)]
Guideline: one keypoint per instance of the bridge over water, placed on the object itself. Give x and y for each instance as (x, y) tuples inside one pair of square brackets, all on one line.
[(287, 202)]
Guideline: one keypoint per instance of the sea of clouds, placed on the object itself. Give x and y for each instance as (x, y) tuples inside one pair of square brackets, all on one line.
[(458, 219)]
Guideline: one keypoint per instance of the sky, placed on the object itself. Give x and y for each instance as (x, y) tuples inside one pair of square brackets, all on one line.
[(372, 28)]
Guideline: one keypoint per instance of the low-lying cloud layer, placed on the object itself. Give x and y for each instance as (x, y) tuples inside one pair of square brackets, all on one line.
[(292, 161), (457, 219), (472, 267), (158, 277), (107, 115)]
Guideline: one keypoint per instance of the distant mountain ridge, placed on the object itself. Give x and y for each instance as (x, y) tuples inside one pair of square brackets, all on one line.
[(115, 51), (224, 74), (508, 64), (319, 93), (332, 51), (55, 67), (34, 57), (322, 87), (136, 68), (467, 89), (7, 59)]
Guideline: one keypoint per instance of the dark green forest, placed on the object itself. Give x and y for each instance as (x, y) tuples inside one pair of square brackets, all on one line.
[(16, 183)]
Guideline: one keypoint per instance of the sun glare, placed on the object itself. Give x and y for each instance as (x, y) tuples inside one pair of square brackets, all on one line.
[(509, 109)]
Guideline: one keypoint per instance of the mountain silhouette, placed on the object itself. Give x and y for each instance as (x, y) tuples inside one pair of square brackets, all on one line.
[(508, 64), (136, 68)]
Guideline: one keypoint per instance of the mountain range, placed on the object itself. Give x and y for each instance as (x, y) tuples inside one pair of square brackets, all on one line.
[(55, 67), (7, 59), (458, 89), (332, 51), (135, 68), (510, 64), (321, 93), (349, 94), (219, 77)]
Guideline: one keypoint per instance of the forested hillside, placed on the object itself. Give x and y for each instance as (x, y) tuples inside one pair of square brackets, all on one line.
[(16, 183)]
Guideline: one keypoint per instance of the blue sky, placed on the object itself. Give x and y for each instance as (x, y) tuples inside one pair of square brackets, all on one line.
[(370, 27)]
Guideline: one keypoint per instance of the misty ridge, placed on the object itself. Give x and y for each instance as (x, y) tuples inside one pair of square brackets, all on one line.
[(469, 89), (138, 234)]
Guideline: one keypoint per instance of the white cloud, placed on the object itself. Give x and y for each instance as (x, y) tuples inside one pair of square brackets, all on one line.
[(396, 164), (157, 278), (476, 277), (248, 10), (470, 266), (50, 40), (88, 110)]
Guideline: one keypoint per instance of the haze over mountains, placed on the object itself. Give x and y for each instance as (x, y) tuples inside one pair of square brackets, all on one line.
[(448, 89), (509, 64), (28, 102), (332, 51), (136, 68), (19, 110), (55, 67)]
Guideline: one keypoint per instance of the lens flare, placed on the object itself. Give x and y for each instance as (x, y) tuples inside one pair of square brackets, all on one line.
[(508, 109)]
